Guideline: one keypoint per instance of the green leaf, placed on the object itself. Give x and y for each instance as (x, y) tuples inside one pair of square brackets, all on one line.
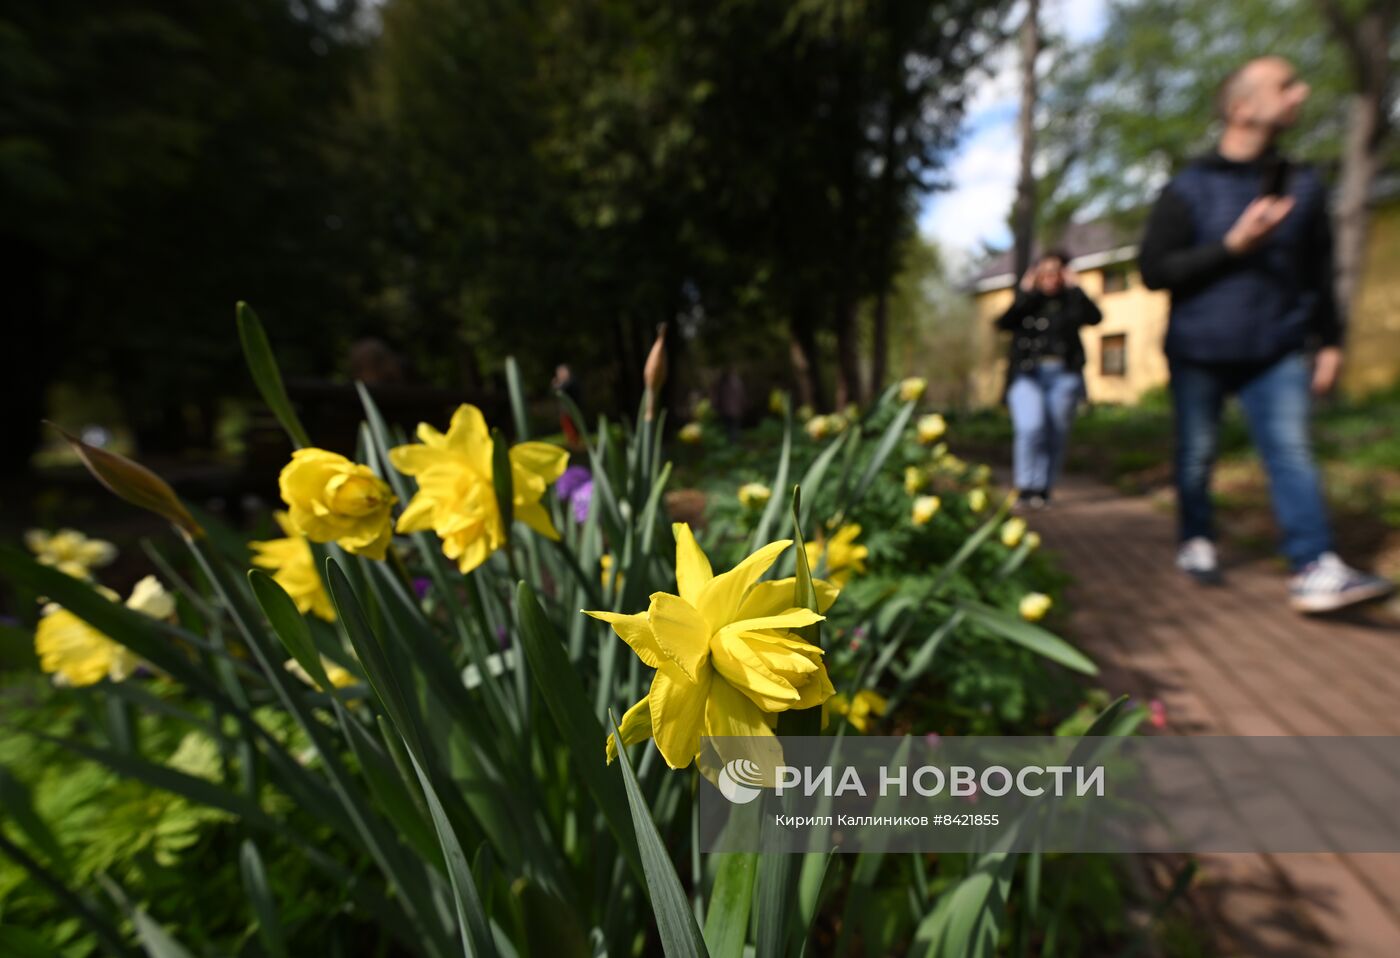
[(503, 481), (17, 806), (727, 918), (680, 936), (66, 896), (816, 472), (517, 400), (1029, 636), (893, 433), (289, 624), (264, 904), (263, 365), (568, 705), (18, 943), (472, 921), (780, 480)]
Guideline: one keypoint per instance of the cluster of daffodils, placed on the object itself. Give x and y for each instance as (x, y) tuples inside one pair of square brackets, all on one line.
[(76, 654), (331, 499), (727, 655)]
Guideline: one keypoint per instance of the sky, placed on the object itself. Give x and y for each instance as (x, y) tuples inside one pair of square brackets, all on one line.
[(983, 169)]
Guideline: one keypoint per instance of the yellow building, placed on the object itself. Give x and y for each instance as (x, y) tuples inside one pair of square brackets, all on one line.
[(1123, 354)]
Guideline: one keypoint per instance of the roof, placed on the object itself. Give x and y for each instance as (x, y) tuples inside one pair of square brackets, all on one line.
[(1089, 245)]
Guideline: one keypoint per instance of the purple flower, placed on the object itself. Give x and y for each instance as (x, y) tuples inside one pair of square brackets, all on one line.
[(574, 477), (582, 500), (502, 638), (420, 587)]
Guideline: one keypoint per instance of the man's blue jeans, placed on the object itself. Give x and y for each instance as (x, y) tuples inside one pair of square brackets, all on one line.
[(1276, 401), (1042, 403)]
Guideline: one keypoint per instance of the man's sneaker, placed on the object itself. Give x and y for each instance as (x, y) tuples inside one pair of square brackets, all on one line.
[(1328, 584), (1196, 557)]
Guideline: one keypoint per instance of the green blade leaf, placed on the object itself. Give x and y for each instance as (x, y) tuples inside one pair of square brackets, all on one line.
[(1029, 636), (517, 400), (727, 918), (893, 432), (568, 704), (289, 624), (474, 925), (680, 936), (264, 904), (266, 376)]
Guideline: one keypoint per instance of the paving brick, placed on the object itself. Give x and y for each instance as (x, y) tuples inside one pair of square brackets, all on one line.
[(1236, 660)]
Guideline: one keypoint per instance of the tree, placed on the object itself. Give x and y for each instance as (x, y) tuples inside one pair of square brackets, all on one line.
[(1023, 212)]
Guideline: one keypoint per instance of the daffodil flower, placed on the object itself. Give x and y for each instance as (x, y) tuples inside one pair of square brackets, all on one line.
[(925, 508), (843, 555), (69, 551), (754, 494), (912, 388), (456, 497), (1012, 531), (331, 499), (861, 710), (1034, 606), (691, 433), (77, 654), (930, 428), (726, 658)]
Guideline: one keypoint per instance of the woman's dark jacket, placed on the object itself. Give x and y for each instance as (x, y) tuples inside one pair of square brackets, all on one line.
[(1042, 325)]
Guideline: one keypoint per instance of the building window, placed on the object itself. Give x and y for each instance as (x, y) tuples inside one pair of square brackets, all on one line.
[(1113, 355), (1115, 278)]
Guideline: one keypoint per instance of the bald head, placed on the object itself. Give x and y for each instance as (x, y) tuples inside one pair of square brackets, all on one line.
[(1265, 92)]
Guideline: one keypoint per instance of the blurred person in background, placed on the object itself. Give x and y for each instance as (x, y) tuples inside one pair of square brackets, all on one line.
[(1241, 239), (1045, 380)]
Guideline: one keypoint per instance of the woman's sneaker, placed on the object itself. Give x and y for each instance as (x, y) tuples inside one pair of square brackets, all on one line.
[(1328, 584), (1196, 557)]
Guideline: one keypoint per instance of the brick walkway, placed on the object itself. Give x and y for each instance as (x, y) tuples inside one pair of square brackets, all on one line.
[(1236, 661)]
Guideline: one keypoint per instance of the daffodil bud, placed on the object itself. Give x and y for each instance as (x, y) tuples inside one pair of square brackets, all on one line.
[(654, 372)]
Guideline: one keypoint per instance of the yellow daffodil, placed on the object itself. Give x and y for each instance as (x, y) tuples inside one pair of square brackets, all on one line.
[(69, 551), (931, 428), (805, 412), (925, 508), (704, 410), (691, 433), (294, 567), (331, 499), (77, 654), (777, 402), (912, 388), (339, 676), (607, 563), (456, 498), (754, 494), (1032, 541), (861, 710), (977, 500), (843, 556), (819, 427), (1034, 606), (913, 479), (1012, 531), (727, 660)]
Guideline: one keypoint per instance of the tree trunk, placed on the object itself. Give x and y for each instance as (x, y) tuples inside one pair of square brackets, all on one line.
[(806, 364), (848, 382), (1023, 213), (879, 338), (1365, 38)]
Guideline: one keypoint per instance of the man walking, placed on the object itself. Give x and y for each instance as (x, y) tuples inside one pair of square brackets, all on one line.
[(1241, 239)]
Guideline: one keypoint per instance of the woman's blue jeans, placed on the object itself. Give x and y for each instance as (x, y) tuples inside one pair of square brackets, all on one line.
[(1276, 398), (1042, 403)]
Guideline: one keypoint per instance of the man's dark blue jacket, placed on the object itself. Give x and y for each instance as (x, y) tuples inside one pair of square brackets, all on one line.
[(1249, 308)]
